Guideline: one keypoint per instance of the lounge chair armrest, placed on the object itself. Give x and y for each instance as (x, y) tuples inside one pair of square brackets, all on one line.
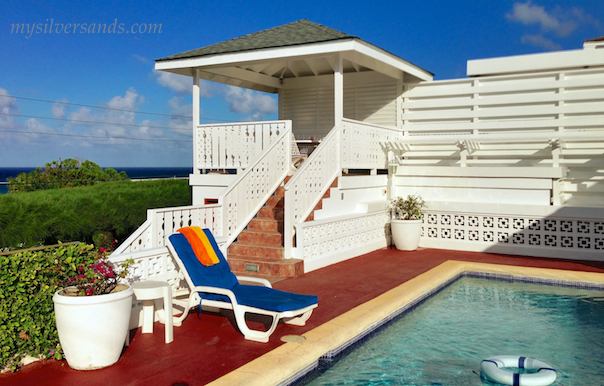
[(217, 291), (264, 282)]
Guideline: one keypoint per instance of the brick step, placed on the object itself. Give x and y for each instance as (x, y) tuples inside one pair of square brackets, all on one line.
[(265, 224), (261, 237), (272, 213), (274, 202), (256, 251), (280, 192), (273, 268)]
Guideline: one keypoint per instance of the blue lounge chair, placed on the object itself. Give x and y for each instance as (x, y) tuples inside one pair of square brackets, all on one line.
[(216, 286)]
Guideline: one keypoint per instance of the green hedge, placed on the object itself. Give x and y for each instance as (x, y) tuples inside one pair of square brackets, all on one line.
[(63, 173), (76, 214), (28, 281)]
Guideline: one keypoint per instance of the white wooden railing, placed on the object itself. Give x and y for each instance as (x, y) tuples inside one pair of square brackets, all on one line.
[(240, 202), (363, 144), (354, 145), (245, 196), (305, 189), (162, 222), (233, 145)]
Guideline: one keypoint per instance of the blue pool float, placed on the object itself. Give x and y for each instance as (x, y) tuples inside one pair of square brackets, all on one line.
[(493, 368)]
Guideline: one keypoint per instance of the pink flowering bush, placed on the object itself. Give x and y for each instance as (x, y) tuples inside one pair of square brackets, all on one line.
[(104, 240), (100, 277)]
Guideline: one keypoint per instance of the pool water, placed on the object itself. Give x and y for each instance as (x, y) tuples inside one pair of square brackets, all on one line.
[(444, 339)]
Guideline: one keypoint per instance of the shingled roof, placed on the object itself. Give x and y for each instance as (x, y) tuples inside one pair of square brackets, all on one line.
[(292, 34), (601, 38)]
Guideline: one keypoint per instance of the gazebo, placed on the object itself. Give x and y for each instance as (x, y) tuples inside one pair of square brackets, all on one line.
[(333, 87), (320, 74)]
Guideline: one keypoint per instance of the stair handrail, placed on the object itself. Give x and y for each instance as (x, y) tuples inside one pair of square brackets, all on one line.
[(255, 186), (148, 234), (162, 222), (308, 185)]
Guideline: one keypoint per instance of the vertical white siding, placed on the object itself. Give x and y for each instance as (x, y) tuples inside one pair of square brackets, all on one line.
[(311, 109)]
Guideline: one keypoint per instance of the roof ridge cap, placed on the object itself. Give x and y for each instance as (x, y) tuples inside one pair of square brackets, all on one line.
[(325, 28)]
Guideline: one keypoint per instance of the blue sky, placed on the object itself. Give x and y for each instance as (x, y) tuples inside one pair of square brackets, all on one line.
[(101, 75)]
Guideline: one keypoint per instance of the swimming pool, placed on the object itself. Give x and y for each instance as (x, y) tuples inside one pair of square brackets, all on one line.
[(443, 340), (291, 361)]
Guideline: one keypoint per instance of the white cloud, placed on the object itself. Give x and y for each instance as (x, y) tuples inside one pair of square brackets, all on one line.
[(558, 21), (81, 116), (32, 124), (177, 83), (181, 84), (109, 150), (8, 105), (540, 41), (247, 101), (127, 102), (59, 110), (180, 111), (141, 58)]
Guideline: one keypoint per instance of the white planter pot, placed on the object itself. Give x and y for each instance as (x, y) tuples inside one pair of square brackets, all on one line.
[(406, 234), (93, 329)]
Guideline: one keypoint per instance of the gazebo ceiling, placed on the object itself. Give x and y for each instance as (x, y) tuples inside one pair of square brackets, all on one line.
[(270, 75), (265, 60)]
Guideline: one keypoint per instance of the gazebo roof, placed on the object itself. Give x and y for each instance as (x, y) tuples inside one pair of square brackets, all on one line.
[(264, 60), (600, 39), (296, 33)]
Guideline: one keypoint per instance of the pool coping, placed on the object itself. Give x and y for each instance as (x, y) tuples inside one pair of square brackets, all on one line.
[(290, 361)]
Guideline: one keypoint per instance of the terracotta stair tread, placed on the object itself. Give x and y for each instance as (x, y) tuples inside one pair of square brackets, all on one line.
[(265, 224), (275, 213), (274, 202), (256, 250), (261, 237)]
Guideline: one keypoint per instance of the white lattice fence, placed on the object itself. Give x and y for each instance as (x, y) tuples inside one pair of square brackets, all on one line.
[(243, 199), (139, 240), (168, 220), (363, 144), (306, 188), (234, 145), (325, 242), (553, 235)]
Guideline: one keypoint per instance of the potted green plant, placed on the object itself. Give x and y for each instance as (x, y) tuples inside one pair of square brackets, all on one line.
[(406, 221), (93, 313)]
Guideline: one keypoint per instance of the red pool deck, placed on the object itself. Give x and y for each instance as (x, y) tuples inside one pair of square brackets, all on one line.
[(208, 347)]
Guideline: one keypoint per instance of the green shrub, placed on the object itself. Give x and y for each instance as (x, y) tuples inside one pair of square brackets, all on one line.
[(28, 281), (76, 214), (61, 174)]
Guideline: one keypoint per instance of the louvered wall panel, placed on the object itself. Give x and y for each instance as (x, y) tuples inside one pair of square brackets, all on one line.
[(325, 110), (311, 109), (300, 105), (376, 104)]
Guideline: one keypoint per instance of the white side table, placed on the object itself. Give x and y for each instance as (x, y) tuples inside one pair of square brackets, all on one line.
[(148, 291)]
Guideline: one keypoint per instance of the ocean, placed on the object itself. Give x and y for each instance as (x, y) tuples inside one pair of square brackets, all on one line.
[(144, 172)]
